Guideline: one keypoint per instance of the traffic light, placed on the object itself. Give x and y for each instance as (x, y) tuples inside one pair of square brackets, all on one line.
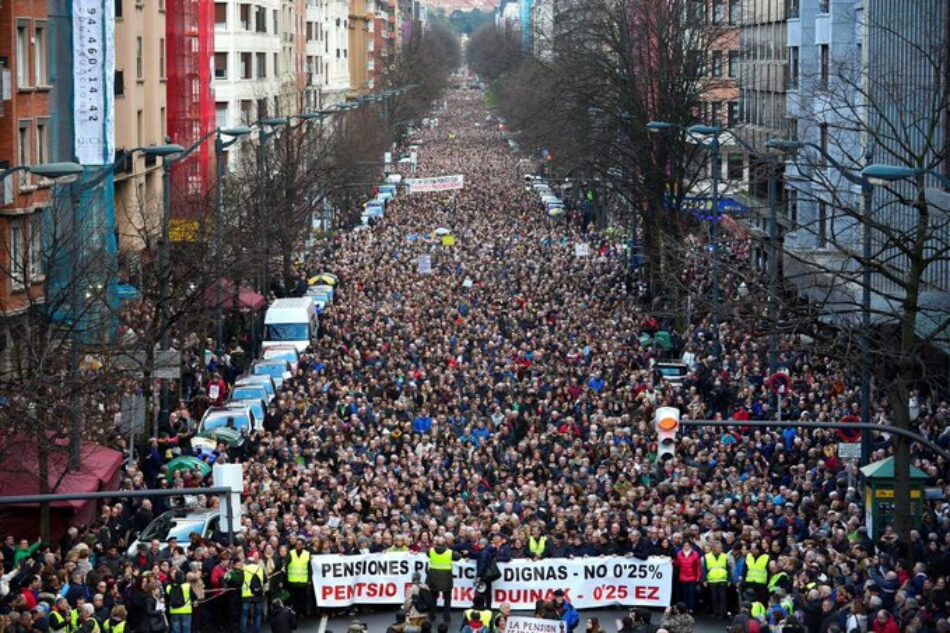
[(667, 424)]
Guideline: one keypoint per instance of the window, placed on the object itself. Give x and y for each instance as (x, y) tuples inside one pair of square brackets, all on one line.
[(733, 114), (139, 60), (161, 58), (247, 110), (733, 69), (118, 8), (823, 131), (822, 224), (245, 15), (42, 141), (716, 63), (34, 254), (22, 55), (718, 12), (276, 65), (24, 153), (734, 166), (716, 108), (162, 124), (793, 207), (40, 50), (793, 67), (220, 16), (262, 108), (140, 127), (118, 83), (16, 253), (261, 65), (260, 20), (793, 8), (825, 63), (276, 22), (338, 53), (824, 6), (734, 15), (221, 65), (246, 70), (221, 113)]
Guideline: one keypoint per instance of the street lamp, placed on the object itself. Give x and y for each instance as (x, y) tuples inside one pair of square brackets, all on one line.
[(713, 148), (883, 174), (60, 173), (864, 180)]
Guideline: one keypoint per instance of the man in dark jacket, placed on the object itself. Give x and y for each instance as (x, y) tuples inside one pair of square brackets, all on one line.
[(282, 619)]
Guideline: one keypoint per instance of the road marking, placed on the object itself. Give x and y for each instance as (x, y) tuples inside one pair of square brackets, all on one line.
[(323, 624)]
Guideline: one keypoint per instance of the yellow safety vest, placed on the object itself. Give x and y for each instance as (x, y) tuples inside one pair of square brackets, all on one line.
[(440, 562), (758, 611), (536, 547), (95, 626), (774, 580), (758, 569), (717, 570), (118, 627), (186, 592), (249, 572), (485, 617), (298, 569), (73, 619), (58, 621)]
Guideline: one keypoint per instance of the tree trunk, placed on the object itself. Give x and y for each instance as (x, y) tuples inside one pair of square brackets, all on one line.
[(42, 458), (148, 370), (288, 272)]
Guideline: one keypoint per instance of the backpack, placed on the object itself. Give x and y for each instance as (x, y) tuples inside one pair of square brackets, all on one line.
[(423, 601), (255, 586), (176, 596)]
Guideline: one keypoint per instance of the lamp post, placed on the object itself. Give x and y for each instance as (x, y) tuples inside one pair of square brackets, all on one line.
[(267, 128), (867, 194), (883, 174)]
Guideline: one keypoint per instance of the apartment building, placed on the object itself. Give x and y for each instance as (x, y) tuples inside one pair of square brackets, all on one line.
[(24, 140), (140, 108), (382, 54), (360, 47), (252, 75), (336, 62), (763, 70)]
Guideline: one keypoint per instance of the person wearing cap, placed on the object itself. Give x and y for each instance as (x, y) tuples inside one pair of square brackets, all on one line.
[(716, 569), (298, 578), (565, 611), (439, 577)]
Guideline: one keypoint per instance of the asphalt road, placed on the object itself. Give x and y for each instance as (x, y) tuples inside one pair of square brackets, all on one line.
[(378, 620)]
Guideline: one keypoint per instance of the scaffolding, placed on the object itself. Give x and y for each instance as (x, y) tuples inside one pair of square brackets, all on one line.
[(189, 27)]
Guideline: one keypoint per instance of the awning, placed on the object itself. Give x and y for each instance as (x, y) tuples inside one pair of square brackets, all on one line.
[(221, 295)]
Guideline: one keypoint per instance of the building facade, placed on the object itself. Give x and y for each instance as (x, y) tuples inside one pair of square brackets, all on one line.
[(360, 46), (336, 56), (25, 134), (141, 111)]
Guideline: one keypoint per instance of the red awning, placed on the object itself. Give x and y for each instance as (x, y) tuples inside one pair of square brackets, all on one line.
[(222, 295), (733, 228)]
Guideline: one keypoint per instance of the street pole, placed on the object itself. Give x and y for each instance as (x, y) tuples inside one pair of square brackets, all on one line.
[(260, 207), (164, 296), (773, 266), (868, 196), (218, 213), (75, 426), (714, 235)]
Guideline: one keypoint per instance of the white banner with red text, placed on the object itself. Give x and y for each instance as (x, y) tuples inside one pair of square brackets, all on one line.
[(437, 183), (341, 581)]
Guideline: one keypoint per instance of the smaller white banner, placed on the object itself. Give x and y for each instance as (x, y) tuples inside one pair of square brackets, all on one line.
[(518, 624), (582, 249), (438, 183), (425, 264)]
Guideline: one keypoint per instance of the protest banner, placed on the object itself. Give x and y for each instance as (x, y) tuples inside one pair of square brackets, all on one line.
[(438, 183), (519, 624), (425, 264), (341, 581)]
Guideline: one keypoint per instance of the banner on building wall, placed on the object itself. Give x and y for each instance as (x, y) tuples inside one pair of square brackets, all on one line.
[(439, 183), (341, 581), (93, 75)]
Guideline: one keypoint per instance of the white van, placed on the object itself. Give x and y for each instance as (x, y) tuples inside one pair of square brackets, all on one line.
[(291, 322)]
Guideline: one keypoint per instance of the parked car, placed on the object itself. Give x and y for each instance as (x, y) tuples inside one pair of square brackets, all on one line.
[(261, 380), (283, 352), (277, 369), (232, 415), (180, 524), (675, 372)]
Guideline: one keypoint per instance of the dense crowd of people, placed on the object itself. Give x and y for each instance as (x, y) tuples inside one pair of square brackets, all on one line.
[(503, 406)]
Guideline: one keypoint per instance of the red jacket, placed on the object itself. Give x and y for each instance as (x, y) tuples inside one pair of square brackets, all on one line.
[(888, 627), (690, 566)]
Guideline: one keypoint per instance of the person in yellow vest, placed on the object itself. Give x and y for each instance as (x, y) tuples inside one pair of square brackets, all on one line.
[(439, 577), (60, 617), (116, 621), (757, 572), (252, 595), (478, 613), (716, 578), (180, 600), (87, 620), (538, 546), (298, 579), (778, 579)]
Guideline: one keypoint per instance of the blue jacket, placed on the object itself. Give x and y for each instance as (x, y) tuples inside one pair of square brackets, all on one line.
[(569, 616)]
